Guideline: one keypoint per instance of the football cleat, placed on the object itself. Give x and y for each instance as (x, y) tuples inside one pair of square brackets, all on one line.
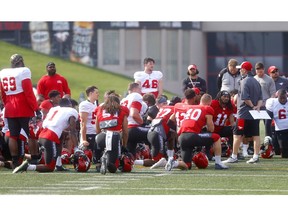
[(23, 167), (169, 164), (230, 160), (253, 160), (103, 168), (220, 166), (161, 163)]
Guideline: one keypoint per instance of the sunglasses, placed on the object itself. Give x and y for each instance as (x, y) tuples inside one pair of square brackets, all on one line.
[(275, 71)]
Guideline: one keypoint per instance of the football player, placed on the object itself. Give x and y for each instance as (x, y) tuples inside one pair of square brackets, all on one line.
[(57, 120)]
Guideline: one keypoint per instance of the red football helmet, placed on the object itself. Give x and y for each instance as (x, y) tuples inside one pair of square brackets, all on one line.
[(267, 151), (142, 152), (126, 162), (200, 160), (65, 156), (81, 162), (225, 148), (89, 153)]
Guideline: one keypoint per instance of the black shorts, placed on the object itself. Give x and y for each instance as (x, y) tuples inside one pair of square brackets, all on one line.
[(247, 127), (15, 125)]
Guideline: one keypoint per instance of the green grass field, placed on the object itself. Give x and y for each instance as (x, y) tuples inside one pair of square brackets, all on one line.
[(79, 76), (268, 177)]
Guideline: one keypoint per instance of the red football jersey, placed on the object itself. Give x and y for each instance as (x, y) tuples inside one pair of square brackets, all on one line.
[(102, 115), (221, 115), (192, 118), (164, 113)]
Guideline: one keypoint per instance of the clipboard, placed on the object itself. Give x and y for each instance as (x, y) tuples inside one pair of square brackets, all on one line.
[(262, 114)]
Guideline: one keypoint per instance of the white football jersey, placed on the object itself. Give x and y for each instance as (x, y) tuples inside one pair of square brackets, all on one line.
[(134, 100), (149, 82), (57, 119), (88, 107), (280, 113), (5, 127), (11, 79)]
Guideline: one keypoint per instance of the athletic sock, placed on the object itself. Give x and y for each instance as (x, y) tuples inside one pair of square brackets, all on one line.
[(170, 153), (31, 167), (255, 156), (139, 162), (59, 161), (217, 159), (234, 156), (245, 148)]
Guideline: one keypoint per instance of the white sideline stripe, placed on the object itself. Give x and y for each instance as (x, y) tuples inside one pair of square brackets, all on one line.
[(98, 179), (114, 177), (42, 192), (126, 175), (160, 189), (89, 188), (43, 187), (163, 174), (93, 181), (201, 189), (77, 185), (151, 175), (237, 175)]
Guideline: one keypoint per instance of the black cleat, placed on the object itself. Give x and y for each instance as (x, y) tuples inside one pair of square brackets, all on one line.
[(61, 169)]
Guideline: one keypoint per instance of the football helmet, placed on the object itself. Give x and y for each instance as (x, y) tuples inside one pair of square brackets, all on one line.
[(89, 153), (142, 152), (65, 156), (15, 59), (267, 140), (226, 150), (126, 162), (225, 147), (267, 151), (200, 160), (81, 162)]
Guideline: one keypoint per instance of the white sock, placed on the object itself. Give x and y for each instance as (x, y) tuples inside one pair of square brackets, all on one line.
[(139, 162), (31, 167), (245, 147), (170, 153), (217, 159), (59, 161), (234, 156), (255, 156)]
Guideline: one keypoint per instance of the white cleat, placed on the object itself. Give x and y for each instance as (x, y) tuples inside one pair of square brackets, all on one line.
[(161, 163)]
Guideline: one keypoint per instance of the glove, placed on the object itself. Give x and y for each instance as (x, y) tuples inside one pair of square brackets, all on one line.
[(267, 140)]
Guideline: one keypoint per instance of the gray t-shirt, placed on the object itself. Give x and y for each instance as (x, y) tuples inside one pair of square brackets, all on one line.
[(267, 86), (249, 89)]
